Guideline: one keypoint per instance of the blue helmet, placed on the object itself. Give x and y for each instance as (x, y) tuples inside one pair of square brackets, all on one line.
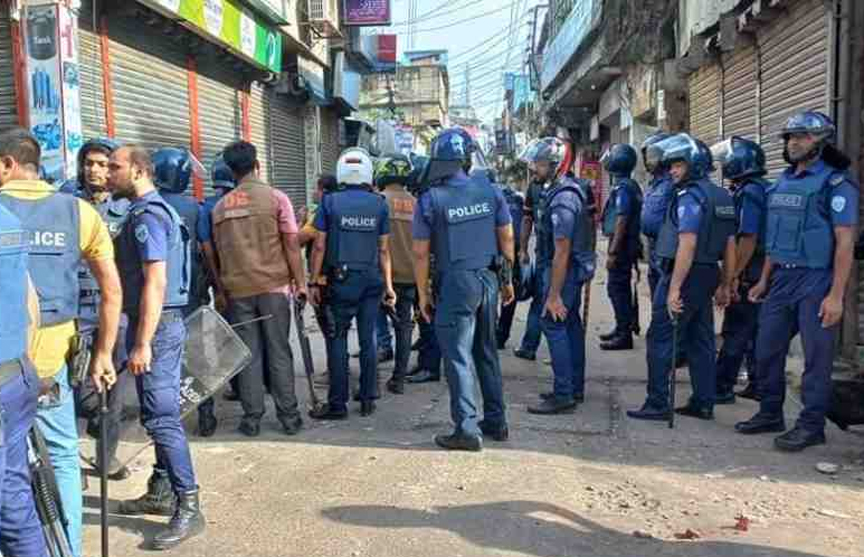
[(104, 144), (814, 123), (620, 160), (222, 176), (740, 158), (682, 147), (414, 183), (452, 150), (652, 156), (172, 169)]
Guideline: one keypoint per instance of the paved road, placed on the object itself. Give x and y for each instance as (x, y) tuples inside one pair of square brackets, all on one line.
[(564, 486)]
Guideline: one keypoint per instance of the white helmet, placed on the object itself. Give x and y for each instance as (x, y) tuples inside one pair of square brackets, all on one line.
[(355, 168)]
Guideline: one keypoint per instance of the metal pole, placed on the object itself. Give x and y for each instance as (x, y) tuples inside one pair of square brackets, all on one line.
[(103, 466)]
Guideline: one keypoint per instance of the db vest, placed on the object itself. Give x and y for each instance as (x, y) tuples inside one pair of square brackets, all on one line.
[(248, 241), (718, 223), (354, 221), (656, 204), (464, 236), (189, 211), (610, 213), (799, 222), (13, 293), (129, 261), (53, 226), (754, 191), (401, 204), (583, 258)]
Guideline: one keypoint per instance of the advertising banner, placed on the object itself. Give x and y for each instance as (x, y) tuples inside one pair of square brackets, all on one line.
[(367, 12)]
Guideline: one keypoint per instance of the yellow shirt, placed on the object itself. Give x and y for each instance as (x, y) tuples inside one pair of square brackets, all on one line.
[(51, 344)]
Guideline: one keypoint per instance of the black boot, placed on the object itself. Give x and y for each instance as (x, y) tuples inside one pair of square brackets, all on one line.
[(553, 406), (207, 421), (605, 337), (396, 385), (620, 342), (750, 392), (187, 521), (158, 500)]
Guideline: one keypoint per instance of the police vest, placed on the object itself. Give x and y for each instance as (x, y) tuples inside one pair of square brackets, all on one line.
[(352, 238), (742, 193), (189, 211), (464, 237), (53, 224), (114, 212), (610, 213), (660, 193), (13, 293), (129, 261), (517, 211), (799, 221), (583, 258), (717, 224)]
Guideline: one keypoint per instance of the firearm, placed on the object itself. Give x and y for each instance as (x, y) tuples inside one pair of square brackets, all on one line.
[(47, 496), (324, 314), (82, 353)]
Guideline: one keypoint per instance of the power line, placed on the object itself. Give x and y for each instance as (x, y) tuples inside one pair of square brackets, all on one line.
[(432, 15), (461, 21)]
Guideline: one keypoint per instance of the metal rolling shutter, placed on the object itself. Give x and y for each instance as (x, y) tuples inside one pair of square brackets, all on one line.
[(259, 119), (706, 107), (90, 75), (795, 71), (289, 157), (8, 107), (330, 148), (219, 113), (150, 86), (740, 94)]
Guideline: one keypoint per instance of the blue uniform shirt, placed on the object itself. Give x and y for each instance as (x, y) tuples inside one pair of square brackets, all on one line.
[(564, 211), (151, 233), (623, 202), (323, 215), (752, 217), (424, 218), (689, 211), (205, 220)]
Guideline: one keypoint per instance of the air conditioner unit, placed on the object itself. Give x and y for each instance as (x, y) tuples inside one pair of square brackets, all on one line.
[(324, 17)]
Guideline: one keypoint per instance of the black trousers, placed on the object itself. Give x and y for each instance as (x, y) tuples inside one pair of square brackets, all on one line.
[(406, 297)]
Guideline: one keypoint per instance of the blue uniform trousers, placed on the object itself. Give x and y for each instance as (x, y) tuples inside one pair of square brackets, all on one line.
[(20, 531), (383, 333), (695, 334), (618, 287), (159, 395), (654, 267), (566, 341), (740, 324), (358, 296), (465, 325), (533, 332), (792, 307)]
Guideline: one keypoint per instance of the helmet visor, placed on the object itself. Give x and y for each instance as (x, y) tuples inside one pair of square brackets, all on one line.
[(679, 147), (722, 152)]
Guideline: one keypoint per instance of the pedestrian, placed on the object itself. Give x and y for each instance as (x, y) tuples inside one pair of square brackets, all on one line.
[(153, 258), (92, 186), (516, 204), (812, 217), (352, 251), (566, 255), (698, 231), (63, 231), (258, 258), (465, 223), (621, 226), (743, 164)]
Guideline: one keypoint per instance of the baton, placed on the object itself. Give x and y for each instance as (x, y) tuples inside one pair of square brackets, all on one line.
[(103, 469), (249, 322), (673, 376)]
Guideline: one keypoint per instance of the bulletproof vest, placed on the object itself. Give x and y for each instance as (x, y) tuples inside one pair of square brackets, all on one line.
[(583, 257), (717, 224), (742, 193), (13, 294), (129, 262), (517, 211), (352, 240), (53, 223), (464, 237), (799, 221), (610, 214), (401, 204), (189, 210), (114, 212), (659, 196)]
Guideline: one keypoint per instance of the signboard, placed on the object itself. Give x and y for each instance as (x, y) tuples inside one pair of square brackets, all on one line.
[(509, 81), (404, 139), (567, 41), (521, 91), (360, 13), (232, 24)]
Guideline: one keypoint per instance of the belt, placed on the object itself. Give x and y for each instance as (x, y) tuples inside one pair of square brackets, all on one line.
[(10, 370), (788, 266), (90, 293)]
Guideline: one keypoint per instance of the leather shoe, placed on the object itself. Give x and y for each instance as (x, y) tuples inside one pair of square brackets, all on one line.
[(207, 423), (523, 354), (367, 408), (396, 386), (750, 392), (424, 376), (250, 427), (761, 423), (356, 396), (460, 442), (610, 335), (500, 434), (326, 413), (693, 411), (385, 355), (621, 342), (291, 426), (649, 413), (553, 406), (798, 439), (725, 398), (579, 398)]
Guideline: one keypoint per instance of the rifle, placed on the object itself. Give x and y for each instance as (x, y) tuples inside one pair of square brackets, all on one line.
[(306, 351), (49, 507)]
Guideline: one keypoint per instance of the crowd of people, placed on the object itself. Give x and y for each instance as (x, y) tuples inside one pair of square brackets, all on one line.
[(98, 276)]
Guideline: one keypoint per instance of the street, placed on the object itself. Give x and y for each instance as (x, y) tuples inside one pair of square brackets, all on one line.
[(593, 484)]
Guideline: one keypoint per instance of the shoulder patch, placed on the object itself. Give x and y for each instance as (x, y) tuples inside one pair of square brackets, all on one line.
[(142, 234), (838, 203), (837, 180)]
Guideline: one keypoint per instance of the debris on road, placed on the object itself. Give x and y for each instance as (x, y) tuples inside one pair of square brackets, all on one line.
[(643, 535), (742, 523), (688, 534), (827, 468)]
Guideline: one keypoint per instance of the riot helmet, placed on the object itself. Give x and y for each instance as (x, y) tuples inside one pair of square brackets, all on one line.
[(354, 168), (392, 169), (222, 176), (619, 160), (172, 169), (652, 155), (816, 124), (739, 158), (452, 150), (684, 148), (415, 183), (549, 150)]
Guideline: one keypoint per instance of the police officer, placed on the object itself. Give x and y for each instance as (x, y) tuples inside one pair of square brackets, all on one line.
[(812, 215), (516, 203), (698, 231), (621, 226), (352, 250), (153, 258), (63, 230), (564, 241), (465, 223), (20, 532), (658, 196), (743, 163)]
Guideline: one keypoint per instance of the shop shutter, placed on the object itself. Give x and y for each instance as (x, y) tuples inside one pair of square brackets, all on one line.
[(219, 114), (740, 94), (288, 154), (706, 108), (8, 107), (93, 123), (259, 118), (150, 86), (795, 55), (330, 147)]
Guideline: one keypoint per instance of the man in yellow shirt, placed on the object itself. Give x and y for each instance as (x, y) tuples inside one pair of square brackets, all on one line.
[(63, 230)]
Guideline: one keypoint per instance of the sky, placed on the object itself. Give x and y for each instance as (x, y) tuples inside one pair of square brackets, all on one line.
[(476, 34)]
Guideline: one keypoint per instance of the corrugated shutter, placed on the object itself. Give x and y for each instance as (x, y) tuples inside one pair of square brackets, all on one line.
[(219, 113), (90, 75), (150, 86), (705, 103), (795, 71), (289, 157), (8, 107), (259, 118), (330, 148), (740, 91)]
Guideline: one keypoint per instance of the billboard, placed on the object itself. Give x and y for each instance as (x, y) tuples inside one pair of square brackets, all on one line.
[(360, 13)]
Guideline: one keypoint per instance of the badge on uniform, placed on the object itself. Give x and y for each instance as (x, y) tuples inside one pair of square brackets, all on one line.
[(142, 233), (838, 203), (682, 210)]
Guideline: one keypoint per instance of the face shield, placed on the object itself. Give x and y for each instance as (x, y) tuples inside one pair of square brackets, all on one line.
[(722, 152)]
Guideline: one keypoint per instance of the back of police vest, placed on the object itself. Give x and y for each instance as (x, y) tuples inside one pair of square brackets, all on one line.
[(355, 222), (465, 236), (13, 294)]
